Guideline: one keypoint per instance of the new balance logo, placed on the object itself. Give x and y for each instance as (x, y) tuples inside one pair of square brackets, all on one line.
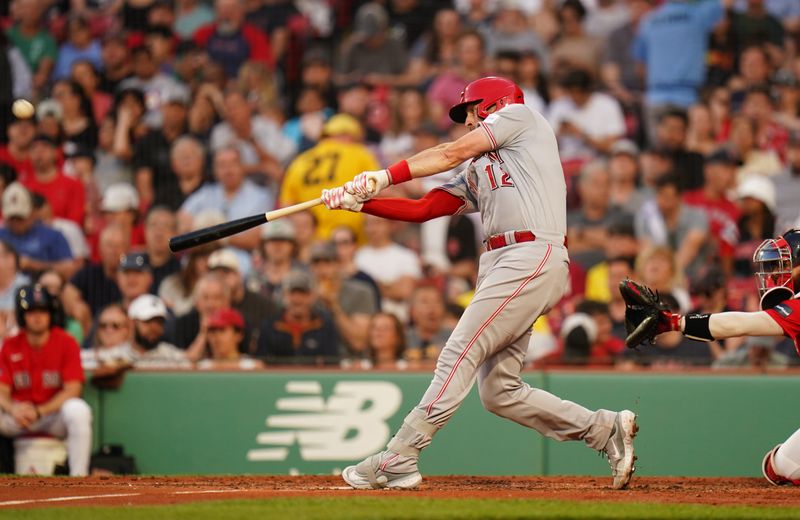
[(350, 424)]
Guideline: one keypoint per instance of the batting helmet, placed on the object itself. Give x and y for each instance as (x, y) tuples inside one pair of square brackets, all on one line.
[(486, 92), (774, 260), (32, 297)]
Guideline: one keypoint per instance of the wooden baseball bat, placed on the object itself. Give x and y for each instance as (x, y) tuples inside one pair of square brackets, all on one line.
[(226, 229)]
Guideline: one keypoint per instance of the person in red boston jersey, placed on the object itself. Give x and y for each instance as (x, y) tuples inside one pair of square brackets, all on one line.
[(777, 270), (514, 179), (41, 380)]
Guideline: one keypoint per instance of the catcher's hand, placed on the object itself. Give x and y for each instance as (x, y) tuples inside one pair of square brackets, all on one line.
[(338, 198), (646, 316)]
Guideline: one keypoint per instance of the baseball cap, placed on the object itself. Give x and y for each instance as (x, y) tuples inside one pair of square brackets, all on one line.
[(298, 281), (146, 307), (223, 259), (723, 156), (176, 94), (371, 19), (278, 230), (134, 262), (759, 188), (626, 147), (120, 197), (323, 251), (226, 318), (49, 108), (343, 124), (17, 201)]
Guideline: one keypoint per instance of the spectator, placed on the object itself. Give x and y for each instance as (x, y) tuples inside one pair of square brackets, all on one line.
[(787, 187), (262, 146), (160, 40), (79, 45), (671, 44), (134, 277), (586, 123), (587, 227), (16, 153), (436, 49), (155, 179), (54, 284), (755, 69), (300, 333), (752, 160), (787, 90), (532, 80), (190, 15), (372, 54), (40, 247), (129, 111), (189, 332), (278, 250), (387, 342), (230, 40), (394, 267), (85, 74), (77, 121), (66, 195), (755, 26), (50, 401), (700, 130), (305, 128), (664, 221), (657, 268), (756, 220), (671, 137), (720, 210), (235, 196), (37, 45), (252, 305), (587, 336), (188, 163), (11, 279), (116, 65), (757, 352), (120, 206), (409, 113), (159, 226), (111, 350), (758, 106), (426, 334), (609, 16), (623, 168), (509, 31), (78, 246), (338, 157), (574, 48), (149, 346), (350, 302), (225, 333), (18, 80), (356, 99), (345, 240), (177, 289), (620, 243)]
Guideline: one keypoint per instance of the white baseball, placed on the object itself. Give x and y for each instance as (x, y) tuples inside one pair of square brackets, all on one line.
[(23, 109)]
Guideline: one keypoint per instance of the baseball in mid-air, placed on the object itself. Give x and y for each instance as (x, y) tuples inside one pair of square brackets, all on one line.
[(23, 109)]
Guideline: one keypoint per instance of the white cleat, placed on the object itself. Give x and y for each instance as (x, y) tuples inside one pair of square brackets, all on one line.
[(384, 470), (619, 449)]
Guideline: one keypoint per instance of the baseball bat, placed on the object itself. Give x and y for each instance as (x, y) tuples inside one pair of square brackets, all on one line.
[(226, 229)]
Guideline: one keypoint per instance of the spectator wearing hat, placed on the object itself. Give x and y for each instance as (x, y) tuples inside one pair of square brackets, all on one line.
[(623, 168), (153, 174), (372, 53), (66, 195), (586, 122), (79, 45), (188, 163), (278, 252), (160, 225), (337, 158), (37, 45), (40, 247), (351, 302), (189, 332), (16, 152), (230, 40), (225, 333), (76, 239), (756, 198), (722, 213), (134, 277), (263, 148), (300, 333), (119, 206), (150, 349), (252, 305)]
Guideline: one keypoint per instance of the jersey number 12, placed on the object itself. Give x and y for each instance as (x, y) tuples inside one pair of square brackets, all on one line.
[(505, 178)]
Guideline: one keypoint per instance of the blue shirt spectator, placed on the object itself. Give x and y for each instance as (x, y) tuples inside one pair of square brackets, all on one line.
[(672, 42)]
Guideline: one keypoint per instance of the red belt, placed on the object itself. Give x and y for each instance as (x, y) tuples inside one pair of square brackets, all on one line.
[(501, 240)]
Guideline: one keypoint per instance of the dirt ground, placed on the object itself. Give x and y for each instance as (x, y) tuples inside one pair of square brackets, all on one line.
[(16, 492)]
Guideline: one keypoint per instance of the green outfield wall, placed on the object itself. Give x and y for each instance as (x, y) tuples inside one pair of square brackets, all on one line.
[(319, 422)]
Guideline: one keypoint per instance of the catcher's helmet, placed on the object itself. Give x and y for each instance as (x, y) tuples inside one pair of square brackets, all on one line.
[(774, 260), (32, 297), (486, 92)]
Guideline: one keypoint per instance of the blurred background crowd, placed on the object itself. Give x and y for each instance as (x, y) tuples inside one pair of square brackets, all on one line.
[(678, 124)]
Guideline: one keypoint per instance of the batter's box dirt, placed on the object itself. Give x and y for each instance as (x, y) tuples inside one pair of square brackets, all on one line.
[(108, 491)]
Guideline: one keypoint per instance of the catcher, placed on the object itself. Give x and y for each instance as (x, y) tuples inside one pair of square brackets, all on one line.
[(777, 269)]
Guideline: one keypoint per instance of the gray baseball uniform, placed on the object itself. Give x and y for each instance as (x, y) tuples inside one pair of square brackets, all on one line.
[(518, 186)]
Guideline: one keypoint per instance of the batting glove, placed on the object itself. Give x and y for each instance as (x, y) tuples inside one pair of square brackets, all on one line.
[(366, 185), (338, 198)]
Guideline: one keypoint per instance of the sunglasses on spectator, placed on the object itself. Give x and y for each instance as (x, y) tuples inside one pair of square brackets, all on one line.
[(116, 325)]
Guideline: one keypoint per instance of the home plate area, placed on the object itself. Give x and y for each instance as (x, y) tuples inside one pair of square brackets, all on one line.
[(23, 492)]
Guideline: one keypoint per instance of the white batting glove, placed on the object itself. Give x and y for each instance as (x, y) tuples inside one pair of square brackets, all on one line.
[(338, 198), (366, 185)]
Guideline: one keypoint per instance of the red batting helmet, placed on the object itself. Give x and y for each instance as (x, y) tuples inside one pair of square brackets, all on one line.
[(486, 92)]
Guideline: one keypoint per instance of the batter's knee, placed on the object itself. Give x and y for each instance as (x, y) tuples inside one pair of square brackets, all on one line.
[(496, 398), (75, 411)]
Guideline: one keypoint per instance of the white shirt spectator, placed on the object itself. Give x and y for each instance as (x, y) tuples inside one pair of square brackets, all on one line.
[(267, 133), (600, 117)]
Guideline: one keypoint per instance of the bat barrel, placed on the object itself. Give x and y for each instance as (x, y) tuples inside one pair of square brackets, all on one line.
[(209, 234)]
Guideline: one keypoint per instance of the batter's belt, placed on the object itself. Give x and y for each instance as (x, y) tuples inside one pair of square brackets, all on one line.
[(511, 237)]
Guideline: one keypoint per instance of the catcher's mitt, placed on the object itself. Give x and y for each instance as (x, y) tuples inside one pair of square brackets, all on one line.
[(646, 316)]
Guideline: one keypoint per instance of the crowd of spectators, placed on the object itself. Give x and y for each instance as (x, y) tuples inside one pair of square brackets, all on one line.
[(678, 124)]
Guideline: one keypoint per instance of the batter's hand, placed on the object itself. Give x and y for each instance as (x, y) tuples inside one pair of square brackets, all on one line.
[(366, 185), (338, 198)]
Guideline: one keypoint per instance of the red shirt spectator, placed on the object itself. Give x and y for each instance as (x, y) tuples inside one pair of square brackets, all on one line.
[(66, 196)]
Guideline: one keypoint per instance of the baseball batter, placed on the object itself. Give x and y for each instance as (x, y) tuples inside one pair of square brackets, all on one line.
[(777, 262), (515, 180)]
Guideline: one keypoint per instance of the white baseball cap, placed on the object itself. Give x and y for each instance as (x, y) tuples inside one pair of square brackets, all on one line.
[(17, 201), (146, 307), (120, 197), (223, 259), (759, 188)]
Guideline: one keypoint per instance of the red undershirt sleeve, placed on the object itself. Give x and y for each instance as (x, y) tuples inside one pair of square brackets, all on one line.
[(436, 203)]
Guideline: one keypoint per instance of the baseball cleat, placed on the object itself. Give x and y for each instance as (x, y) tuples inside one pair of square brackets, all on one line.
[(384, 470), (619, 448), (769, 471)]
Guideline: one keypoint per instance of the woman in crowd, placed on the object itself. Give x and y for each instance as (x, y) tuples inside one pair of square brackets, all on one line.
[(386, 342)]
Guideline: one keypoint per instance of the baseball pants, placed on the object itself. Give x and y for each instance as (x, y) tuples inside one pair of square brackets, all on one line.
[(72, 422), (516, 284)]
